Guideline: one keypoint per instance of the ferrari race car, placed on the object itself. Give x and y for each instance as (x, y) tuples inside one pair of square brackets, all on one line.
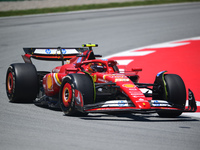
[(84, 84)]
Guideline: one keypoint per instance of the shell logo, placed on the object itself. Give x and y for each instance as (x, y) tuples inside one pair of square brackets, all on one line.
[(49, 82)]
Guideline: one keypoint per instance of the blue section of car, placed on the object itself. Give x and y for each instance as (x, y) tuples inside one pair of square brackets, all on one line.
[(121, 103), (160, 73), (64, 51), (79, 60), (156, 103), (48, 51), (104, 59)]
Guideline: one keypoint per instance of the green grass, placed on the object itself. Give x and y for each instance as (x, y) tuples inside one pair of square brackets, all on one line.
[(88, 7), (12, 0)]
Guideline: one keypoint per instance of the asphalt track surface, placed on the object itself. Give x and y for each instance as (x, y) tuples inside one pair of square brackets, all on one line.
[(26, 126)]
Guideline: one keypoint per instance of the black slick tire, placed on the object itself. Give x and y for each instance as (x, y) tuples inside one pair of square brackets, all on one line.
[(81, 82), (21, 83), (176, 94)]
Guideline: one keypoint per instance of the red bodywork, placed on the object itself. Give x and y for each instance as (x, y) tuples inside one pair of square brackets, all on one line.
[(109, 74), (53, 80)]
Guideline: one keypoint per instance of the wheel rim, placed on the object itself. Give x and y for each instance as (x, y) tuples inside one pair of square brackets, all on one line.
[(10, 83), (67, 94)]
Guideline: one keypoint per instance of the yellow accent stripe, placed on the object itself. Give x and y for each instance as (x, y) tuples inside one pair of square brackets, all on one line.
[(56, 75)]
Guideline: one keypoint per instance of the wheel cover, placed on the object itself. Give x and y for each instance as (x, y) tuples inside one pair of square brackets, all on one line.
[(10, 83), (67, 95)]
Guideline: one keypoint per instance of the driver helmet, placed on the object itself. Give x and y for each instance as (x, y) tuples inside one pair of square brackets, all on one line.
[(97, 67)]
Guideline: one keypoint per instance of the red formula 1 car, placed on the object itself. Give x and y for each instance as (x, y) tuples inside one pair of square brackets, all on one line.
[(84, 84)]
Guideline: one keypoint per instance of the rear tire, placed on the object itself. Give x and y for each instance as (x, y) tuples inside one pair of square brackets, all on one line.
[(72, 82), (176, 95), (21, 82)]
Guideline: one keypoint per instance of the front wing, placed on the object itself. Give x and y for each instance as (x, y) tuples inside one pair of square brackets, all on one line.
[(128, 106)]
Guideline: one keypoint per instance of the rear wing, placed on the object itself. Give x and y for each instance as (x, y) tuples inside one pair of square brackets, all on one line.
[(52, 54), (56, 54)]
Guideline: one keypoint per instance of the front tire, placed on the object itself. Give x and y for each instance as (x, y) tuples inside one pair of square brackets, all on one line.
[(72, 82), (21, 83), (176, 94)]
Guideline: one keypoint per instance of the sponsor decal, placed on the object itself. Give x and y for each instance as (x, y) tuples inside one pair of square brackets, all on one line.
[(156, 103), (136, 95), (160, 103), (64, 51), (114, 76), (123, 80), (134, 89), (141, 99), (55, 51), (102, 80), (128, 85), (49, 82), (48, 51), (117, 77), (122, 103), (116, 103)]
